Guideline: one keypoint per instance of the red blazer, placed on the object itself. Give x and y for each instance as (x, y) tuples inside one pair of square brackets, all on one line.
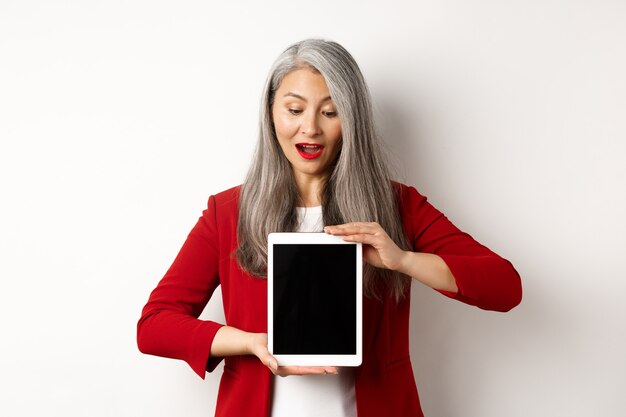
[(384, 383)]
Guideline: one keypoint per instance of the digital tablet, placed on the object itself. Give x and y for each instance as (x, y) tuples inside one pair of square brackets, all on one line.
[(315, 287)]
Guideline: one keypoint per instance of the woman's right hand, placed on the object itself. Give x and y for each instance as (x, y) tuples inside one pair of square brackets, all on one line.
[(258, 347)]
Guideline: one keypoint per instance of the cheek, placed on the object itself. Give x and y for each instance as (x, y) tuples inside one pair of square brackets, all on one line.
[(284, 126), (335, 133)]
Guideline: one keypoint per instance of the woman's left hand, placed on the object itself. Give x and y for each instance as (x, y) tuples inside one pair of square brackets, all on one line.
[(379, 249)]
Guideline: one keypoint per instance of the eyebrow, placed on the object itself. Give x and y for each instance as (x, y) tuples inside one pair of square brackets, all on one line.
[(302, 98)]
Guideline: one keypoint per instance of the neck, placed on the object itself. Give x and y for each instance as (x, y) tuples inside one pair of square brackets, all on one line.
[(310, 190)]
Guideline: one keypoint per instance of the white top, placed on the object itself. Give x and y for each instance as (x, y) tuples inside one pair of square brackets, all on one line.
[(314, 395)]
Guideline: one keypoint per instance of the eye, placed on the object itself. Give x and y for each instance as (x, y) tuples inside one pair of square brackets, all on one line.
[(330, 113), (295, 111)]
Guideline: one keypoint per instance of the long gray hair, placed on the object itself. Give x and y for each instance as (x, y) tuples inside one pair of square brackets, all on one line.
[(359, 188)]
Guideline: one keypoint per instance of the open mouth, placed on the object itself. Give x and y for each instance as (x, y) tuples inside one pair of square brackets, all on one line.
[(309, 150)]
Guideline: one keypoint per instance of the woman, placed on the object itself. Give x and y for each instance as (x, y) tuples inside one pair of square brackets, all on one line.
[(318, 162)]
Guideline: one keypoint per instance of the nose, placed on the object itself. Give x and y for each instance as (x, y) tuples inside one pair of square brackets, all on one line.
[(310, 125)]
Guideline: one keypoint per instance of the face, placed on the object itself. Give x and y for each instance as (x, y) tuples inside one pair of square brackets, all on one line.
[(306, 123)]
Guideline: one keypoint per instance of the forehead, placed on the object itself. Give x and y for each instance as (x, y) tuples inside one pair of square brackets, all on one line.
[(304, 82)]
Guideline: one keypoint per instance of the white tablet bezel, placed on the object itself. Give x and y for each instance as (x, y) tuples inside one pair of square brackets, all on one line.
[(314, 360)]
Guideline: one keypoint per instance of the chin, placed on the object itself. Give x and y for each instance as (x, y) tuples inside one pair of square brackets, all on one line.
[(313, 171)]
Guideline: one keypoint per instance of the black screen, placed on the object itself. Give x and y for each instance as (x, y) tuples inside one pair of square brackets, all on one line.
[(314, 299)]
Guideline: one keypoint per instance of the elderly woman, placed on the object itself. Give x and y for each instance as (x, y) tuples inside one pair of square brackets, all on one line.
[(318, 167)]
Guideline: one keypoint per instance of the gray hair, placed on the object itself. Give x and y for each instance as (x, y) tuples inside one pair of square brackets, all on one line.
[(359, 188)]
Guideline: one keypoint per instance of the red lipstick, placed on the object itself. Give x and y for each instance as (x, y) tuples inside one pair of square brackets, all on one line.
[(309, 150)]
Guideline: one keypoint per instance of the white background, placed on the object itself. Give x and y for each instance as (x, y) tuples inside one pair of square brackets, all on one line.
[(118, 119)]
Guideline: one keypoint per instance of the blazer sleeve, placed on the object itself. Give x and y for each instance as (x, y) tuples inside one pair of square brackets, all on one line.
[(484, 278), (169, 324)]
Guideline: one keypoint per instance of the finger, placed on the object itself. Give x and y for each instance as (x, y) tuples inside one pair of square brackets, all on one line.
[(367, 239), (353, 228), (306, 370), (298, 370), (270, 361), (273, 364)]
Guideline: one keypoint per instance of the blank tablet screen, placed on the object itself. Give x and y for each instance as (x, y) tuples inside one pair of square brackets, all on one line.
[(314, 299)]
